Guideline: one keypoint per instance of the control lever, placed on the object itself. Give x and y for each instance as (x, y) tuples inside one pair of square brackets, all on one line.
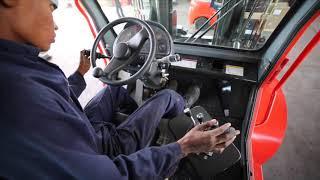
[(204, 164), (99, 56), (174, 58), (201, 119), (165, 62), (171, 58), (188, 112)]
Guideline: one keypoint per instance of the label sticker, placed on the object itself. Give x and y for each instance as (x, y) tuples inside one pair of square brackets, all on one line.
[(277, 12), (186, 63), (234, 70), (248, 31)]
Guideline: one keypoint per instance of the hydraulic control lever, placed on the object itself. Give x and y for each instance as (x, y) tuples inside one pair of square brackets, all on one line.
[(203, 164), (200, 117)]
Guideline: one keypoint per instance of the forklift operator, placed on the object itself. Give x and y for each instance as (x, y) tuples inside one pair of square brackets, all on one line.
[(45, 133)]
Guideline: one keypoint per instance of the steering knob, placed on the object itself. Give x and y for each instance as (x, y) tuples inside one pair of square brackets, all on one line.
[(98, 72)]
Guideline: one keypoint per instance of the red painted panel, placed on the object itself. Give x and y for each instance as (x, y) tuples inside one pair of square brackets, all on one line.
[(268, 136), (258, 172), (91, 26), (270, 113)]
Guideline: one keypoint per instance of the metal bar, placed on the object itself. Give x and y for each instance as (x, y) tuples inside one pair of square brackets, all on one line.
[(306, 51), (273, 8), (119, 8), (195, 33), (262, 22), (214, 36), (253, 39), (214, 24), (247, 20)]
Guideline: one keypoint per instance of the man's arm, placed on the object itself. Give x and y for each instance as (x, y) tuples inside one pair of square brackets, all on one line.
[(77, 83), (39, 132), (76, 80)]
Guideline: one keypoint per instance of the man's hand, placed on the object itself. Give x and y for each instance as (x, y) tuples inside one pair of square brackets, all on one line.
[(201, 139), (84, 64)]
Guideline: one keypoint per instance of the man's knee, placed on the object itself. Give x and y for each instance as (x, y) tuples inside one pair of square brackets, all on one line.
[(168, 92), (172, 95), (110, 92)]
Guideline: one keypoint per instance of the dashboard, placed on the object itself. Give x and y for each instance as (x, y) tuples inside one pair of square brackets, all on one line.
[(195, 63)]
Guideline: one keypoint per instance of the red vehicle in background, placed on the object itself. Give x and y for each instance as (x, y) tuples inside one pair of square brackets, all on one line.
[(200, 11)]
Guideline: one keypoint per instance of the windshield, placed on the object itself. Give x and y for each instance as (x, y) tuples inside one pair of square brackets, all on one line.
[(239, 24)]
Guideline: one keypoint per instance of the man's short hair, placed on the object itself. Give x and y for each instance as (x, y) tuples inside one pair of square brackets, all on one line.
[(3, 4), (55, 2)]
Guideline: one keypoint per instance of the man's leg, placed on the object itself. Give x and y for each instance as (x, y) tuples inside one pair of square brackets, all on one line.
[(100, 112), (138, 130), (109, 100)]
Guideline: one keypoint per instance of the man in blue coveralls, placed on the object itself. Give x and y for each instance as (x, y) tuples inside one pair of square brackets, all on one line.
[(44, 132)]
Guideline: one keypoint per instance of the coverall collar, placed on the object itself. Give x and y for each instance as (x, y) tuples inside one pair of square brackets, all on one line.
[(18, 48)]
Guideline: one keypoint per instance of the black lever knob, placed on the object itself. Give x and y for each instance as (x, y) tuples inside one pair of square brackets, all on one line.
[(98, 55), (98, 72), (200, 117)]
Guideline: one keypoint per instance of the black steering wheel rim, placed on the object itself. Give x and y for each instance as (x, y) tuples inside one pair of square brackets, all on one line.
[(152, 50)]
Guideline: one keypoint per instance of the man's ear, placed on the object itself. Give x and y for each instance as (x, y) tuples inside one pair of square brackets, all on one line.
[(9, 3)]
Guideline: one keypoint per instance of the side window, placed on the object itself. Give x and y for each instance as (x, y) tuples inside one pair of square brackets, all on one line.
[(286, 36)]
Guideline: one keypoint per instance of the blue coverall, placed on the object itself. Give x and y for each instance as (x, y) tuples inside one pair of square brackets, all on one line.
[(45, 133)]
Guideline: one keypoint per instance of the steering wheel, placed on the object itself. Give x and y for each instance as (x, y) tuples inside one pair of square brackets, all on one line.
[(124, 53)]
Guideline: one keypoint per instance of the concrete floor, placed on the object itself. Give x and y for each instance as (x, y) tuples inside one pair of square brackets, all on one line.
[(298, 157)]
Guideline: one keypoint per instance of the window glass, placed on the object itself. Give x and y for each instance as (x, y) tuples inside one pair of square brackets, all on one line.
[(241, 24)]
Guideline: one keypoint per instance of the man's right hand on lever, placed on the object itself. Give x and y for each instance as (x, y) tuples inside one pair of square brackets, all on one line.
[(203, 139)]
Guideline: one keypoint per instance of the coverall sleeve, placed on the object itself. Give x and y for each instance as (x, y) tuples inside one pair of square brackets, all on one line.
[(77, 83), (46, 140)]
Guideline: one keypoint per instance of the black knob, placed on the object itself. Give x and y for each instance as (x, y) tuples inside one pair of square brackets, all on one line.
[(177, 57), (200, 117), (97, 72), (98, 55)]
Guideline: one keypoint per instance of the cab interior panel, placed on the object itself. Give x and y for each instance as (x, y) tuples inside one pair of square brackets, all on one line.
[(225, 99)]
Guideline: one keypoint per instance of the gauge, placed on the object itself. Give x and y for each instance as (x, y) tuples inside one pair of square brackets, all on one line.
[(162, 47)]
